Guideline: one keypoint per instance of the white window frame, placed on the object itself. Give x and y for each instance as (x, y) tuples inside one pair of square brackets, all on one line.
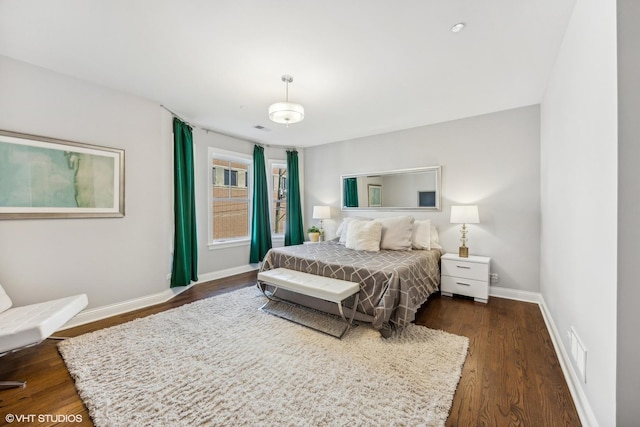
[(234, 157), (274, 163)]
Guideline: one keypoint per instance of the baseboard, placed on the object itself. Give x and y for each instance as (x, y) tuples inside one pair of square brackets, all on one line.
[(514, 294), (99, 313), (587, 417), (206, 277)]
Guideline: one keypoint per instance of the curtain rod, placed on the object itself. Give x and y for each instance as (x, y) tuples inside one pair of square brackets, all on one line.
[(175, 115), (223, 133), (234, 136)]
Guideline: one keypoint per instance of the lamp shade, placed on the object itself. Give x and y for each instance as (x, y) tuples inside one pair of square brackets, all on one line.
[(321, 212), (286, 112), (464, 215)]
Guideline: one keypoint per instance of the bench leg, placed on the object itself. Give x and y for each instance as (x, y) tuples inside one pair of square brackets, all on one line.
[(270, 298), (353, 314), (12, 384), (262, 286)]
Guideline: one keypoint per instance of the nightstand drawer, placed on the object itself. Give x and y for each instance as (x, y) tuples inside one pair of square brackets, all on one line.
[(468, 287), (465, 269)]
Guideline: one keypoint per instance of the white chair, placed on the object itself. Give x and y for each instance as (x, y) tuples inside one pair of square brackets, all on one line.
[(26, 326)]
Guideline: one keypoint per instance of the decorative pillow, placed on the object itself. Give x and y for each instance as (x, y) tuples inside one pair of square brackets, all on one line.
[(344, 226), (364, 235), (435, 239), (421, 236), (396, 233)]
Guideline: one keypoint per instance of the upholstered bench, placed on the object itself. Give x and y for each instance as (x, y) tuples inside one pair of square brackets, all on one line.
[(326, 288)]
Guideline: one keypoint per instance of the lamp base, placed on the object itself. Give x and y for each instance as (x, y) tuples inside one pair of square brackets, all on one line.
[(463, 252)]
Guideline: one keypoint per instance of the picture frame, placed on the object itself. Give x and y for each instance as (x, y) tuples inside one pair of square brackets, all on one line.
[(375, 195), (43, 177), (427, 199)]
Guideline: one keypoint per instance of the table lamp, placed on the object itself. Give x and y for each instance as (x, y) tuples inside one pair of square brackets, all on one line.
[(464, 215), (321, 212)]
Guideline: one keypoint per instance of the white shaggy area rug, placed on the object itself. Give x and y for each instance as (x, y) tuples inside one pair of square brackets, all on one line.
[(222, 361)]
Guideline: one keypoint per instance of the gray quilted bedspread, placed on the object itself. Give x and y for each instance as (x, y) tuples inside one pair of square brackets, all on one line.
[(393, 284)]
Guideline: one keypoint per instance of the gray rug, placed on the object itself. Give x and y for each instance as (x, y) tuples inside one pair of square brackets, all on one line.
[(222, 361)]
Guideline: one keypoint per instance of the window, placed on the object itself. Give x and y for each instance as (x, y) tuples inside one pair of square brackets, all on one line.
[(230, 203), (278, 197), (230, 177)]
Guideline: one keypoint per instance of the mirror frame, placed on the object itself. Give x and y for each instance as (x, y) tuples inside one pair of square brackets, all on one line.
[(437, 207)]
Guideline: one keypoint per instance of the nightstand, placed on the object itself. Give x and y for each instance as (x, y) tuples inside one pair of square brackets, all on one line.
[(465, 276)]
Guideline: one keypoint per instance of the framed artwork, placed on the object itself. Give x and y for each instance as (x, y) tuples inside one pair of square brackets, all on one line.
[(51, 178), (375, 195), (427, 199)]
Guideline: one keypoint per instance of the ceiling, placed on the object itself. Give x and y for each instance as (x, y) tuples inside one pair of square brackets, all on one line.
[(360, 67)]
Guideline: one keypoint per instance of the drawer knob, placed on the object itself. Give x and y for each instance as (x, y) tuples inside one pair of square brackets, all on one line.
[(463, 266), (463, 284)]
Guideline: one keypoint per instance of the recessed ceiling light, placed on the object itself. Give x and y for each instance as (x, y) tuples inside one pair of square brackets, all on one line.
[(458, 27)]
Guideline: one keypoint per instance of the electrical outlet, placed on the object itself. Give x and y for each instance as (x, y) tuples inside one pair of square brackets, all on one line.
[(578, 353), (494, 278)]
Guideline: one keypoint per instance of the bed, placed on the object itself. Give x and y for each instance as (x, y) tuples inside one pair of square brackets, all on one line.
[(393, 284)]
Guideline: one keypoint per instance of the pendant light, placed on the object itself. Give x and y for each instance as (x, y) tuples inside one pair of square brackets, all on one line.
[(286, 112)]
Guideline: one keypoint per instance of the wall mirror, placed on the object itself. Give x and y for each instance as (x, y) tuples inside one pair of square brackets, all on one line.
[(408, 189)]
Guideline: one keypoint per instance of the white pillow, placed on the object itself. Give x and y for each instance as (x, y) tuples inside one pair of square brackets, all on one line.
[(344, 226), (421, 236), (364, 235), (396, 233), (435, 239)]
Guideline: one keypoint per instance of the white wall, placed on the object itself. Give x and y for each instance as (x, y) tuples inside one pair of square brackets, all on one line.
[(491, 160), (628, 375), (111, 259), (578, 197)]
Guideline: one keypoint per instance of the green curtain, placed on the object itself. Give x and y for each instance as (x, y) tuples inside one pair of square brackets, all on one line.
[(185, 245), (294, 229), (351, 192), (260, 228)]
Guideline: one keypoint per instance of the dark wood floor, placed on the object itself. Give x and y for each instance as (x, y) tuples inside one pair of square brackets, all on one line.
[(511, 376)]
